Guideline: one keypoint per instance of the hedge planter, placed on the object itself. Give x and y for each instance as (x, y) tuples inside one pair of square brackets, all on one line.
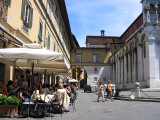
[(9, 111)]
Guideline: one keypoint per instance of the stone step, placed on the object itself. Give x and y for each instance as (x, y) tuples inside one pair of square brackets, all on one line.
[(138, 99)]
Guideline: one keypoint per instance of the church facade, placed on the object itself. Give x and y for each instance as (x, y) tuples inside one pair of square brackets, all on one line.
[(138, 60)]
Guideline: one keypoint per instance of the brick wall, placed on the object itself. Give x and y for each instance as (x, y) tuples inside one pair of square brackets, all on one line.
[(132, 28)]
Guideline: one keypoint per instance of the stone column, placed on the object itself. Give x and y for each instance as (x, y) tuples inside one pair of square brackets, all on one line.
[(122, 69), (118, 79), (135, 64), (154, 63), (126, 71), (112, 71), (131, 66), (156, 6), (115, 72)]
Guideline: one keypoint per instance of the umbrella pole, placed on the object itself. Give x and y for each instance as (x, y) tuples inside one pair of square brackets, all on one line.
[(32, 77)]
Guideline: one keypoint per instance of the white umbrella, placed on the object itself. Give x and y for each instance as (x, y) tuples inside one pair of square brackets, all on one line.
[(27, 57), (31, 54)]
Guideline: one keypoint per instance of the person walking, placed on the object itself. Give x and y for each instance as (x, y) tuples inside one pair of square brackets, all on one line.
[(101, 91), (109, 90)]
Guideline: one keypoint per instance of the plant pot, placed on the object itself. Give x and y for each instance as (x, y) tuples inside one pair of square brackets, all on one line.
[(9, 111)]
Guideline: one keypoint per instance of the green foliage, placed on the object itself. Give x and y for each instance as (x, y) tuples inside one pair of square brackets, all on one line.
[(4, 100)]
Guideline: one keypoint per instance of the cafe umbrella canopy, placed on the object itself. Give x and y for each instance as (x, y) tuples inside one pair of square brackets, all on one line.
[(33, 55)]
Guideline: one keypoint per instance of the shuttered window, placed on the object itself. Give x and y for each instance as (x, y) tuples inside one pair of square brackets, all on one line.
[(27, 13), (78, 58), (8, 2), (40, 31), (95, 58)]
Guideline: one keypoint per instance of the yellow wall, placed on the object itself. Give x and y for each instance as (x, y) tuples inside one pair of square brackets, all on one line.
[(87, 56), (14, 25)]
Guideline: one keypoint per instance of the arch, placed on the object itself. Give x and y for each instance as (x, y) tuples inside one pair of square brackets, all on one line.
[(80, 74)]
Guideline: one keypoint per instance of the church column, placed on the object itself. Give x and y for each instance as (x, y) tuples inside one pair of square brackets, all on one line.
[(127, 68), (120, 69), (116, 71), (136, 64), (156, 7), (131, 66), (112, 71), (118, 79)]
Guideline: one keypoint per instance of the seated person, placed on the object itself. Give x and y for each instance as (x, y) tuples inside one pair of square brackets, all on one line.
[(14, 90), (68, 90), (63, 98), (45, 89), (52, 87), (24, 95), (9, 86)]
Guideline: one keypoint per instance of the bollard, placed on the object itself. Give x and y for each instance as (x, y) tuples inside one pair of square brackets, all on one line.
[(137, 90)]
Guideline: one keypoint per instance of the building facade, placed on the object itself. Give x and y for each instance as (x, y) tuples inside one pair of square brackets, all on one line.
[(133, 56), (35, 21), (91, 64), (138, 60)]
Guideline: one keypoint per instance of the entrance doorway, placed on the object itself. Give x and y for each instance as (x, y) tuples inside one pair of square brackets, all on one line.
[(80, 74)]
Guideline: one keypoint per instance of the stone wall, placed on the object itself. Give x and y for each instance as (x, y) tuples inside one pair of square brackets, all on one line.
[(99, 72)]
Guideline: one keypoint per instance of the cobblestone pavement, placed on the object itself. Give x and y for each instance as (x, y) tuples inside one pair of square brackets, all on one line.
[(87, 108)]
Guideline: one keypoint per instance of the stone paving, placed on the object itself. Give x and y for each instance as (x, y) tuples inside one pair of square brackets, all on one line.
[(87, 108)]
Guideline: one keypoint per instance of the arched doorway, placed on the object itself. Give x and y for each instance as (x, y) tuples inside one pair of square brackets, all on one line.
[(80, 74)]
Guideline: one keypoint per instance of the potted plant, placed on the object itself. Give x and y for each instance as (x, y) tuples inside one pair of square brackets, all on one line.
[(9, 106)]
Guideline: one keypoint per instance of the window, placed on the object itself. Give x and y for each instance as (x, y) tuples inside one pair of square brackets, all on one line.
[(27, 13), (78, 58), (54, 47), (95, 58), (8, 2), (40, 31), (50, 9), (48, 44), (95, 79)]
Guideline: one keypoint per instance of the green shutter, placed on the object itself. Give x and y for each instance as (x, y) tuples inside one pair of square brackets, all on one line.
[(30, 17), (23, 9), (8, 2)]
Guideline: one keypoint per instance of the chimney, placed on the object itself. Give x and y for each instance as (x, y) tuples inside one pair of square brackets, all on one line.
[(102, 32)]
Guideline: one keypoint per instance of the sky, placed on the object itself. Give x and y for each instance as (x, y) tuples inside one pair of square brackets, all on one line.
[(89, 17)]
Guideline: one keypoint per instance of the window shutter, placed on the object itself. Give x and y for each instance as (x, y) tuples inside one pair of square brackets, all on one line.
[(23, 9), (8, 2), (31, 17)]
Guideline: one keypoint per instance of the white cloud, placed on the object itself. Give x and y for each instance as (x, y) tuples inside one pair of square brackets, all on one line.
[(88, 17)]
